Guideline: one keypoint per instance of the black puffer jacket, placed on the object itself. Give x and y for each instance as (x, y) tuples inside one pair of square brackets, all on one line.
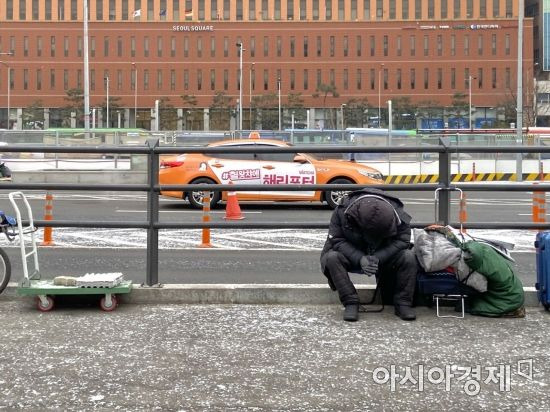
[(350, 238)]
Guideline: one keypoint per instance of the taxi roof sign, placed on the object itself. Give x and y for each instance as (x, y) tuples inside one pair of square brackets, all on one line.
[(254, 135)]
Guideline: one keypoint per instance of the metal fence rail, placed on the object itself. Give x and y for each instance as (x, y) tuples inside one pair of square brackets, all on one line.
[(153, 151)]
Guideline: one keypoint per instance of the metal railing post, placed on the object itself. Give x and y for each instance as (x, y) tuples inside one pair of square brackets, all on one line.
[(444, 204), (152, 214)]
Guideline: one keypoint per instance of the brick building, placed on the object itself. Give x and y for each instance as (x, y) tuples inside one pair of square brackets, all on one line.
[(332, 62)]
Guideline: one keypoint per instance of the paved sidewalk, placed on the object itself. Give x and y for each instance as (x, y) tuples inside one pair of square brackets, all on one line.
[(265, 357)]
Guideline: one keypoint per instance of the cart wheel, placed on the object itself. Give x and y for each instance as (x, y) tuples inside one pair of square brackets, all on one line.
[(45, 308), (103, 304)]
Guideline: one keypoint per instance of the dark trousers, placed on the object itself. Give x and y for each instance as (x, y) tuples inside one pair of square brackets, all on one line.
[(397, 277)]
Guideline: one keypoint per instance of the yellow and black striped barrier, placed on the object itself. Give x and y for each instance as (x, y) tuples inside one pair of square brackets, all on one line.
[(465, 177)]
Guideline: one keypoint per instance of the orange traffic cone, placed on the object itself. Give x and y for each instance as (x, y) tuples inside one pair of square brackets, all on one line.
[(232, 209)]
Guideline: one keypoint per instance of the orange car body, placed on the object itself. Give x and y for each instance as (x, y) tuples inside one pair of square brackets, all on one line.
[(262, 168)]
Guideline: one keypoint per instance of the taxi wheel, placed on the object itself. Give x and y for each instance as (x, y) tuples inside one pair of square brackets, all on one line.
[(195, 198), (333, 197)]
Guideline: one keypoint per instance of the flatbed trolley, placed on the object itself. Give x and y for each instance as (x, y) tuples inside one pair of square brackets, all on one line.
[(46, 290)]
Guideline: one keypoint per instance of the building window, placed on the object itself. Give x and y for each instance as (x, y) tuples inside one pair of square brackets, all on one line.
[(332, 77), (439, 45), (48, 9), (319, 78), (507, 45), (52, 79), (319, 46), (119, 79), (132, 46), (372, 46), (379, 9), (159, 79), (413, 79), (493, 44), (466, 45), (305, 46), (306, 80), (385, 45), (199, 46), (346, 85), (266, 79), (39, 46), (186, 47), (119, 46), (79, 46), (315, 9), (385, 74), (392, 10), (469, 8), (494, 77), (239, 11), (426, 78), (303, 10), (346, 46), (253, 47), (251, 10), (292, 46), (125, 9), (496, 8), (371, 78), (106, 46), (413, 45), (398, 47), (456, 9), (25, 79), (99, 10), (480, 78), (189, 10), (226, 79), (453, 78), (418, 9), (9, 9), (483, 8), (292, 79), (52, 46), (331, 46), (201, 14), (431, 9), (186, 79), (22, 10), (212, 79), (328, 10), (290, 10), (277, 10), (112, 10), (26, 46), (405, 10), (358, 46), (65, 46), (266, 46), (480, 45), (359, 82), (212, 46), (146, 47), (443, 7), (398, 78), (279, 46), (366, 10), (453, 45), (466, 78), (35, 9), (439, 78), (159, 46), (426, 46), (66, 79), (146, 79)]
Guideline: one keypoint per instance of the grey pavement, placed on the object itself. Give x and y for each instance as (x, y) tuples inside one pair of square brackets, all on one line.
[(213, 357)]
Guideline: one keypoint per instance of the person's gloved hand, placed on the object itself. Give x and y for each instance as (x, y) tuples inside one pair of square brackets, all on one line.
[(369, 265)]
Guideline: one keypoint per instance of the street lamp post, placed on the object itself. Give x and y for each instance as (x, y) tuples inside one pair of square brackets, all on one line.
[(342, 114), (470, 100), (379, 95), (135, 93), (240, 46), (279, 109), (250, 100), (107, 80)]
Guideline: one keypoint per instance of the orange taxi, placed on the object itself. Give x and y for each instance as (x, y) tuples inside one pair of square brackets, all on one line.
[(262, 168)]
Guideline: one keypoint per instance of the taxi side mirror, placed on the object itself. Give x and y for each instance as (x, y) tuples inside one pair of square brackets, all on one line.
[(300, 159)]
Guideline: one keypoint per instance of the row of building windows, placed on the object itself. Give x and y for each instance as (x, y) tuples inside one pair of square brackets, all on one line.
[(247, 9), (398, 79), (332, 46)]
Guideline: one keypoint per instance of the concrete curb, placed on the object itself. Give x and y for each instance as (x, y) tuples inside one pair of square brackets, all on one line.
[(282, 294)]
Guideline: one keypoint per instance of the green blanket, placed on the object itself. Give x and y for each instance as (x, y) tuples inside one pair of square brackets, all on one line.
[(504, 289)]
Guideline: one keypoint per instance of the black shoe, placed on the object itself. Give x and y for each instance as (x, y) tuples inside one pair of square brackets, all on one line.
[(405, 312), (351, 313)]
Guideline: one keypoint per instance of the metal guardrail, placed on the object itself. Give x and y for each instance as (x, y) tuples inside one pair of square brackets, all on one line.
[(153, 151)]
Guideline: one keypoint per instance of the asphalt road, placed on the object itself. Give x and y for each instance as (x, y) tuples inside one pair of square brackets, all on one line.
[(295, 263)]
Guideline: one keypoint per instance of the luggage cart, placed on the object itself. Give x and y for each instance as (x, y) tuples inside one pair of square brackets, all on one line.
[(46, 290)]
